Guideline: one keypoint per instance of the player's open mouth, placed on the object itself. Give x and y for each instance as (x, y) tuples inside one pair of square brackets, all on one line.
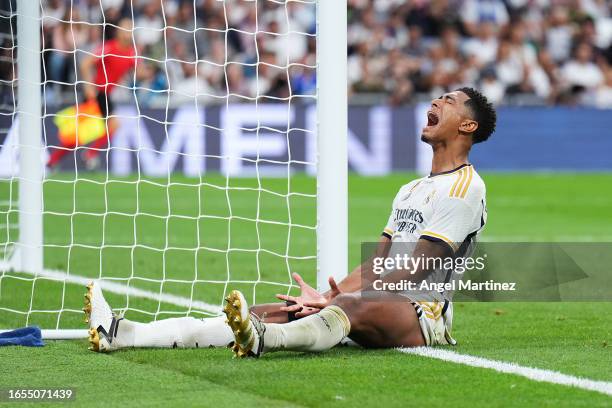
[(432, 118)]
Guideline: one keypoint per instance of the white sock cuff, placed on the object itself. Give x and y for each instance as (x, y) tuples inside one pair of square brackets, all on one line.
[(339, 314)]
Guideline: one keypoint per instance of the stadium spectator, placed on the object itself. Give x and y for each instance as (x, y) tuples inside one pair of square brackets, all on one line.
[(476, 12), (237, 85), (213, 66), (484, 45), (66, 37), (603, 94), (520, 47), (149, 26), (581, 72), (559, 33), (552, 72), (189, 87), (511, 69), (431, 16), (491, 87), (53, 13), (151, 84), (400, 70), (183, 31), (415, 46)]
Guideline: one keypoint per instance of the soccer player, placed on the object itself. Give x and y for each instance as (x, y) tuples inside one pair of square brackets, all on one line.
[(438, 216), (101, 72)]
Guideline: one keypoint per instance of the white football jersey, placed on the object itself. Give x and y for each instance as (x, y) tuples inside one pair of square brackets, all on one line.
[(446, 207)]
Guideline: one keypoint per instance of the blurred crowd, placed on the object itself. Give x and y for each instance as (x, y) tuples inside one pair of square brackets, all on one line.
[(399, 51), (516, 51), (207, 49)]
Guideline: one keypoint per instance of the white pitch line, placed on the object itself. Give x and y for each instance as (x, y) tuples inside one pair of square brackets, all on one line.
[(9, 226), (121, 289), (535, 374), (560, 239)]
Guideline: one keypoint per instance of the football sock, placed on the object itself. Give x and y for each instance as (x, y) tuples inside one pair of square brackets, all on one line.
[(180, 332), (317, 332)]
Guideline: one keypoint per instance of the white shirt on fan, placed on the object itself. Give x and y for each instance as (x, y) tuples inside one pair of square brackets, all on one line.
[(586, 74)]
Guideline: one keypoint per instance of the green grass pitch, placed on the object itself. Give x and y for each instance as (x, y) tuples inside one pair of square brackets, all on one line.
[(572, 338)]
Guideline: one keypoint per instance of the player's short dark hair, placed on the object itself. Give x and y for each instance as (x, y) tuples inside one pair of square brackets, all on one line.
[(483, 111)]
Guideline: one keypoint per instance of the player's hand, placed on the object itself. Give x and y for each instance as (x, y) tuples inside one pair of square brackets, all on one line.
[(309, 301), (325, 300), (307, 311), (307, 294)]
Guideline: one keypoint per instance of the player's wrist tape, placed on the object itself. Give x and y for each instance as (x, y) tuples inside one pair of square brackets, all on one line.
[(290, 315)]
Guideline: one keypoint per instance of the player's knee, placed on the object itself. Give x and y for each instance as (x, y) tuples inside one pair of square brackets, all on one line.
[(357, 310), (348, 302)]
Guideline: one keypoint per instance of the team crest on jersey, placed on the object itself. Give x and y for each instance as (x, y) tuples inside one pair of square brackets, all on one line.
[(407, 196), (429, 197)]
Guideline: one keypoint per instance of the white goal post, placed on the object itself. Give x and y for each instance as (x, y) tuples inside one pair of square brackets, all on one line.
[(30, 140), (28, 252), (332, 128)]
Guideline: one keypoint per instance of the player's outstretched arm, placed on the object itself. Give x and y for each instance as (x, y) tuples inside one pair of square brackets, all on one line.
[(310, 301), (363, 275), (425, 249)]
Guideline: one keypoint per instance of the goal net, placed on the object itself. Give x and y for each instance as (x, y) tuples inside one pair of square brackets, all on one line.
[(173, 150)]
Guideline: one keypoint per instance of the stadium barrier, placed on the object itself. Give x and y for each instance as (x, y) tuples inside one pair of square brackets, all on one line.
[(381, 140)]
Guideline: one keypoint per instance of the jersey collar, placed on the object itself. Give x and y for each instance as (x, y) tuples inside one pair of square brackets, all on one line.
[(449, 171)]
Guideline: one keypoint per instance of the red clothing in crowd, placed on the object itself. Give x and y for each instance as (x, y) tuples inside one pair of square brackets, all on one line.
[(113, 62)]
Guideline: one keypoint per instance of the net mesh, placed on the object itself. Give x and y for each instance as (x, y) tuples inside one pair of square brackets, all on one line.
[(179, 150)]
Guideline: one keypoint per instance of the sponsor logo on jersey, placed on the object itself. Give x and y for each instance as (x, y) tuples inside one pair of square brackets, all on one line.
[(407, 219)]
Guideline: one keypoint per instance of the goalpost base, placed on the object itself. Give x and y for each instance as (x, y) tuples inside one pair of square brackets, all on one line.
[(63, 334)]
